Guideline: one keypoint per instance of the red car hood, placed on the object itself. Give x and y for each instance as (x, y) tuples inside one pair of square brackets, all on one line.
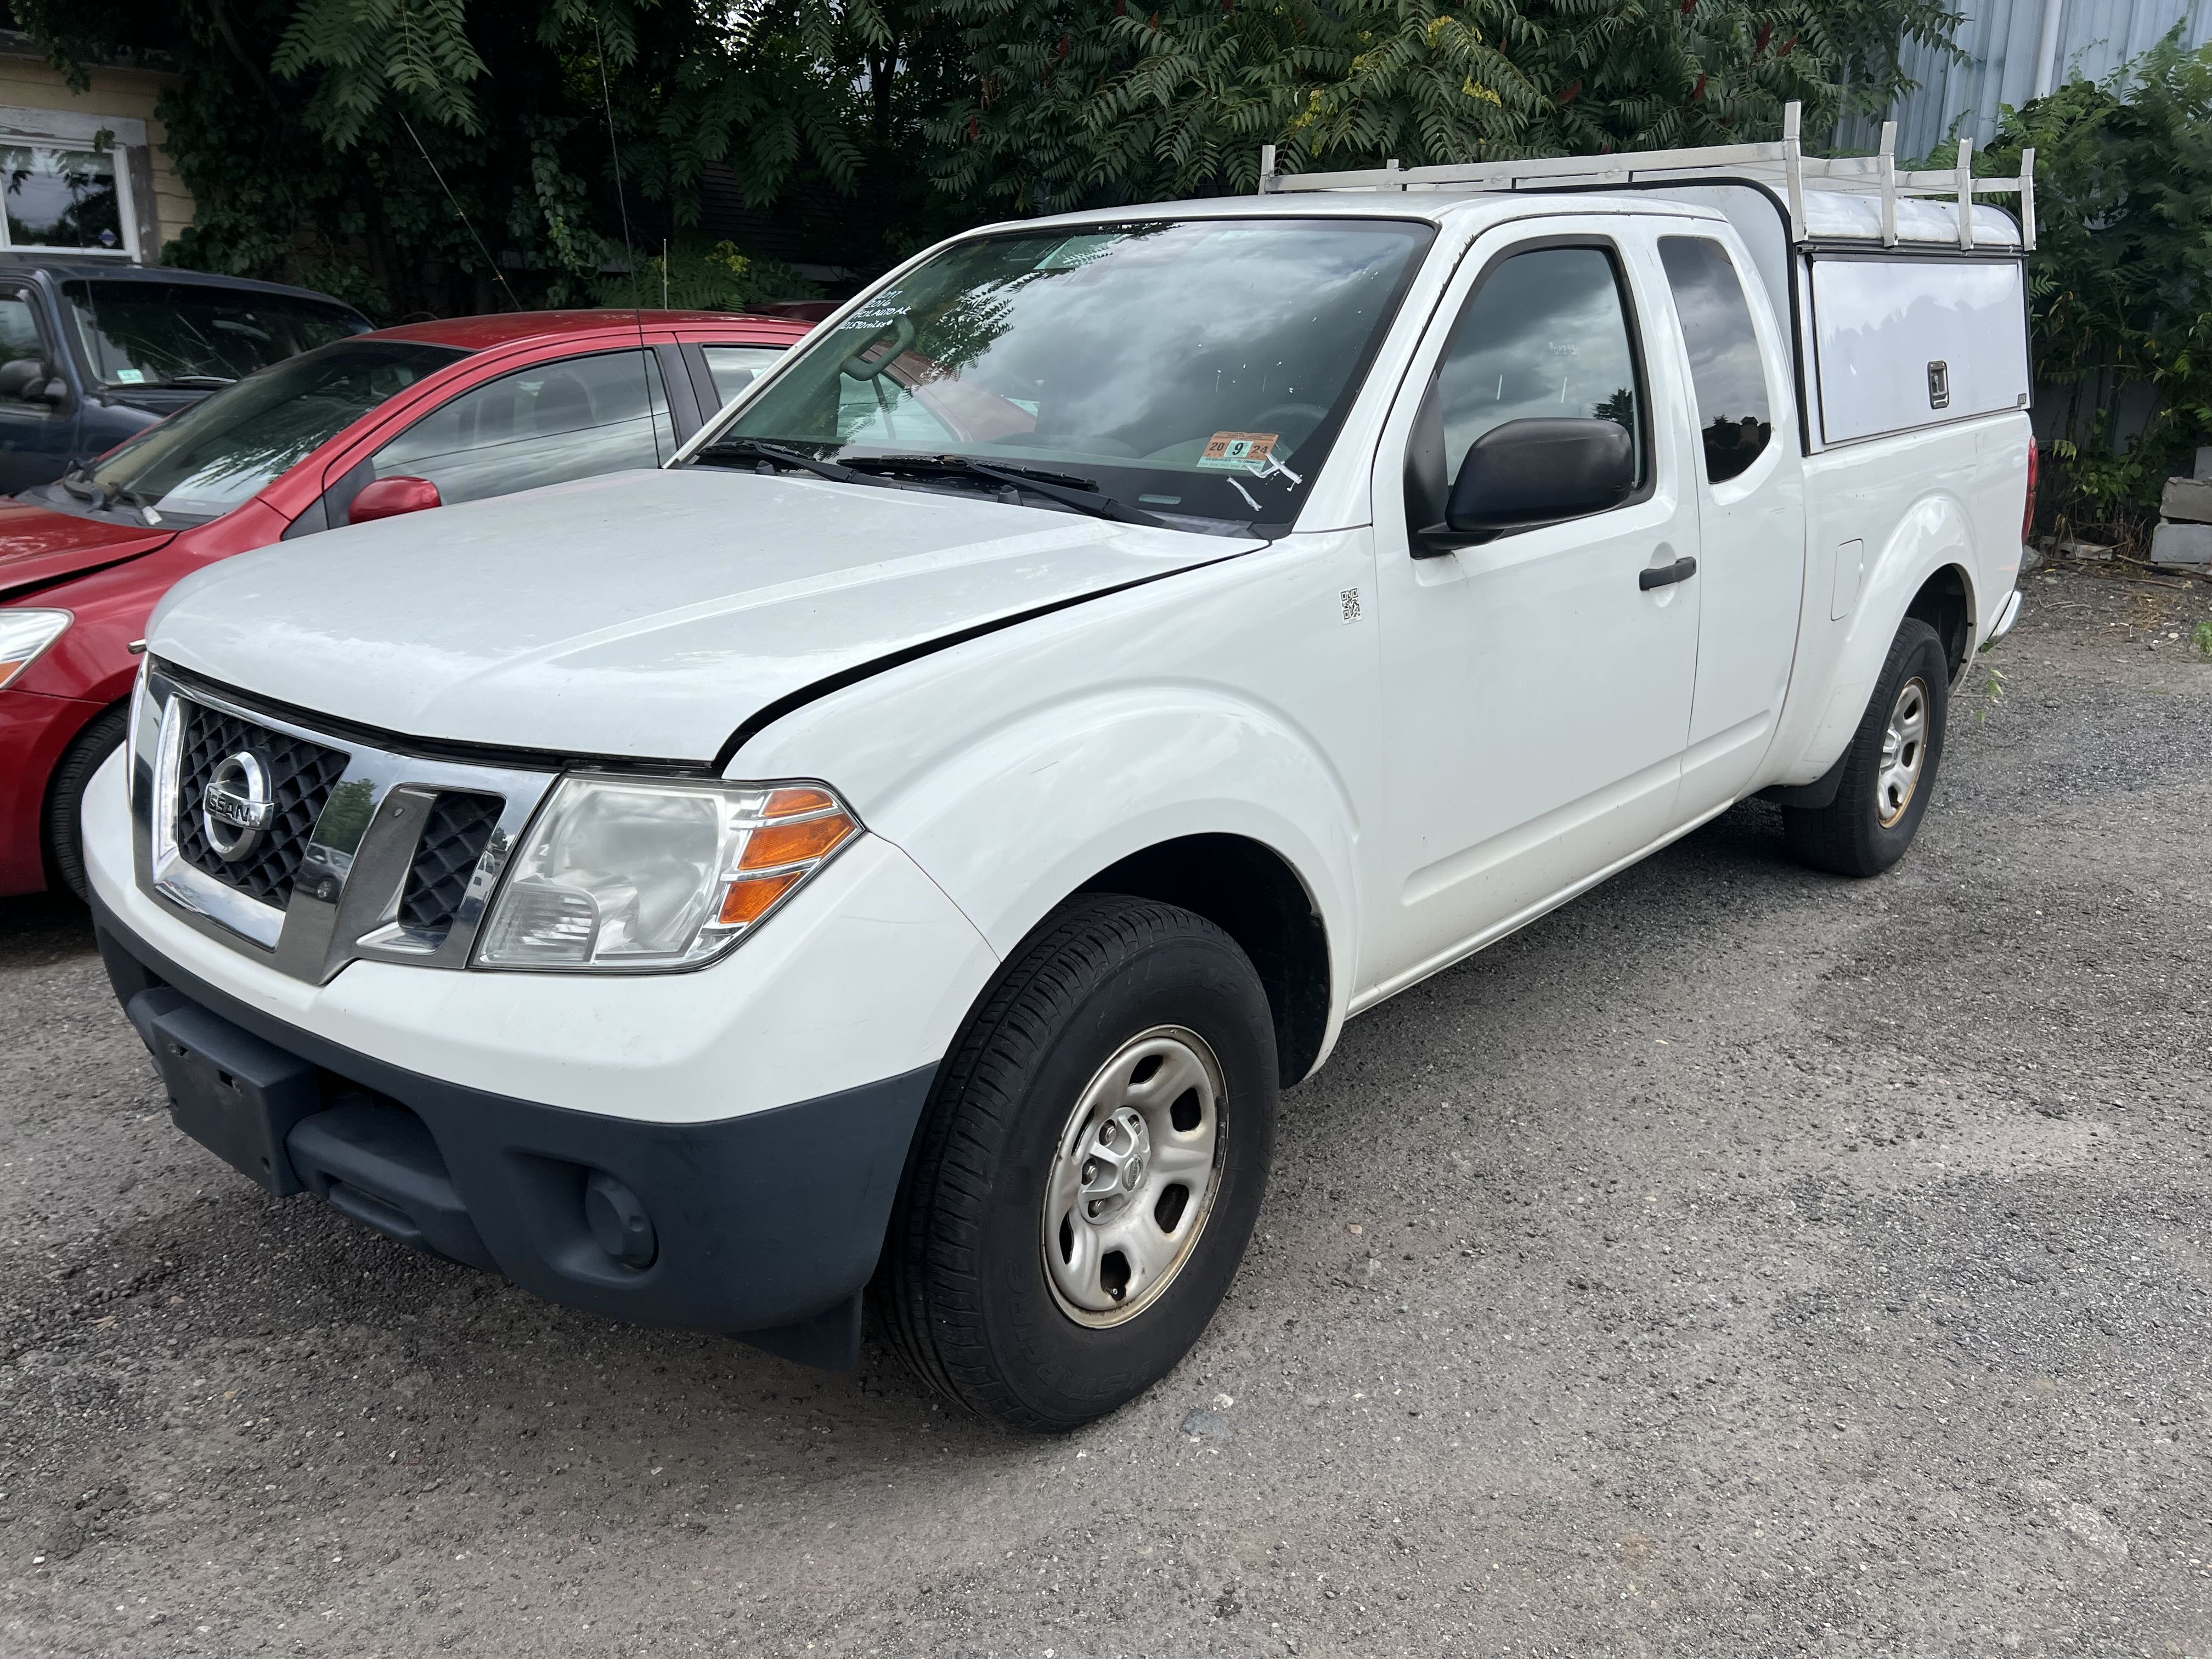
[(38, 545)]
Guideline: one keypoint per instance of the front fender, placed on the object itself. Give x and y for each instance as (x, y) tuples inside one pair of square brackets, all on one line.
[(1080, 783), (1934, 533)]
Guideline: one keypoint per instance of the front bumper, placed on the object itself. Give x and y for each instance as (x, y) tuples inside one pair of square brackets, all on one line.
[(766, 1225)]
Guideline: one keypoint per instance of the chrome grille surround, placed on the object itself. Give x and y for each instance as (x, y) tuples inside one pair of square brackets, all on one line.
[(345, 903)]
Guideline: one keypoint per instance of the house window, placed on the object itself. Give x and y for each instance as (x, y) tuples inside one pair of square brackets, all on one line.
[(64, 197)]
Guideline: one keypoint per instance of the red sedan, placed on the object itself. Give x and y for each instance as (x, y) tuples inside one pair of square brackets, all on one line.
[(393, 421)]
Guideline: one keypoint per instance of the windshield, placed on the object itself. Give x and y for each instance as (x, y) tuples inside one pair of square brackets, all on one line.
[(1192, 368), (194, 335), (200, 463)]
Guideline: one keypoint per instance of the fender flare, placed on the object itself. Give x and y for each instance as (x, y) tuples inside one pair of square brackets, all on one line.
[(1113, 772), (1934, 535)]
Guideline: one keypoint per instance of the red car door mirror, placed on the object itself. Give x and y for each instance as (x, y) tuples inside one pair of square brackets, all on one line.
[(387, 498)]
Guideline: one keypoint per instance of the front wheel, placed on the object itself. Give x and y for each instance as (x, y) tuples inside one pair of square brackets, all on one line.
[(1089, 1168), (1889, 770)]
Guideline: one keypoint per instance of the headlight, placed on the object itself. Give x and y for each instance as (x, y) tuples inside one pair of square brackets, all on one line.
[(635, 875), (23, 635)]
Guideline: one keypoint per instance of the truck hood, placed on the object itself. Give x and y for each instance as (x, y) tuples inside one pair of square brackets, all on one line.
[(645, 613), (38, 545)]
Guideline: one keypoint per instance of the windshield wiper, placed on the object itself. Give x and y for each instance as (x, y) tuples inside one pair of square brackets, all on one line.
[(99, 497), (1077, 493), (777, 455), (190, 382), (93, 494)]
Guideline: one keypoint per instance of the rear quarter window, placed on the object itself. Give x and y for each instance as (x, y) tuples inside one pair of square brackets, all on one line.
[(734, 368)]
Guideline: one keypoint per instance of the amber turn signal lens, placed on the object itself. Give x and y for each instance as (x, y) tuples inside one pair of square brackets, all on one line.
[(790, 803), (799, 826), (747, 901), (779, 844)]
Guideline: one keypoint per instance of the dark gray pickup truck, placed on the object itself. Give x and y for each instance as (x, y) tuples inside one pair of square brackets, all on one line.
[(91, 351)]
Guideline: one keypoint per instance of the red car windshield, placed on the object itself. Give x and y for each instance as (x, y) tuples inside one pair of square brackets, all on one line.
[(199, 464)]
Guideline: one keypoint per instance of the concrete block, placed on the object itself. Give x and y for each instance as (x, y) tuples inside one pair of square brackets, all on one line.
[(2182, 543), (2187, 500), (2205, 462)]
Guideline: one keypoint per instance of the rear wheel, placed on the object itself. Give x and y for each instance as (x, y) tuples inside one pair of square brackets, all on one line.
[(65, 798), (1089, 1168), (1889, 770)]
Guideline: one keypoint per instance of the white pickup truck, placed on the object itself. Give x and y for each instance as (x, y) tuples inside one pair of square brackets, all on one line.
[(909, 841)]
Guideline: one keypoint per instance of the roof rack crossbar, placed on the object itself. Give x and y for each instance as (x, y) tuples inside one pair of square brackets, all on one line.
[(1781, 165)]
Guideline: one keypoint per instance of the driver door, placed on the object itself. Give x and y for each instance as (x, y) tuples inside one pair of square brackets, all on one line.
[(1536, 692), (38, 432)]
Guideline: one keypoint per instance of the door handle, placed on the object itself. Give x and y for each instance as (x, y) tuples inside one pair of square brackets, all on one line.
[(1665, 576)]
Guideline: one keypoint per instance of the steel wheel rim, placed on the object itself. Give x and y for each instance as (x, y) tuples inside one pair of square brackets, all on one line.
[(1904, 752), (1147, 1127)]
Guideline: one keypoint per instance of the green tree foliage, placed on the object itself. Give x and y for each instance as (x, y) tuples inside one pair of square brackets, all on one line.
[(314, 133), (369, 49), (694, 276), (2120, 284), (1132, 100)]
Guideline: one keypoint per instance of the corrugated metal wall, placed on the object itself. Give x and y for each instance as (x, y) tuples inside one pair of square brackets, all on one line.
[(2006, 42)]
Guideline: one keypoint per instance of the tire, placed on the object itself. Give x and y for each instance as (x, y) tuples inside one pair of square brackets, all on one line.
[(1111, 1008), (65, 798), (1879, 805)]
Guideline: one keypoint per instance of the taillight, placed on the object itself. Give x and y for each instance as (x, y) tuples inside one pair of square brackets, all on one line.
[(2027, 514)]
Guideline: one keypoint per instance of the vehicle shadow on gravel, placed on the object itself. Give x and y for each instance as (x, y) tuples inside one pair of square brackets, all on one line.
[(274, 1282), (289, 1304), (41, 929)]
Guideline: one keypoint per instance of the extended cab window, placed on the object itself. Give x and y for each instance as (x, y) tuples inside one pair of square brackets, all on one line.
[(1725, 367), (542, 425), (1545, 337)]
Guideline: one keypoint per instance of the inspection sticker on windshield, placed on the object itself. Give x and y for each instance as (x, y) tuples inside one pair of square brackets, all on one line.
[(1240, 450)]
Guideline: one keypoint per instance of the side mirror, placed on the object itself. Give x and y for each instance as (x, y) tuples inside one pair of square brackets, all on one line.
[(387, 498), (1533, 472)]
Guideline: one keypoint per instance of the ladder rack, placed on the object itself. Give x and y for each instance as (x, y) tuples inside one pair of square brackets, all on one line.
[(1781, 165)]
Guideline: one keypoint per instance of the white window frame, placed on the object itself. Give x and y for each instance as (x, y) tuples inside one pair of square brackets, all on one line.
[(65, 130)]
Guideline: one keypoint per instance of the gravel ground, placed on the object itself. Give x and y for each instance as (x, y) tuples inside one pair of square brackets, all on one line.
[(1738, 1262)]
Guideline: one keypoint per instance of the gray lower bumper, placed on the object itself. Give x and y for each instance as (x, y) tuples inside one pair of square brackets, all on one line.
[(765, 1226)]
